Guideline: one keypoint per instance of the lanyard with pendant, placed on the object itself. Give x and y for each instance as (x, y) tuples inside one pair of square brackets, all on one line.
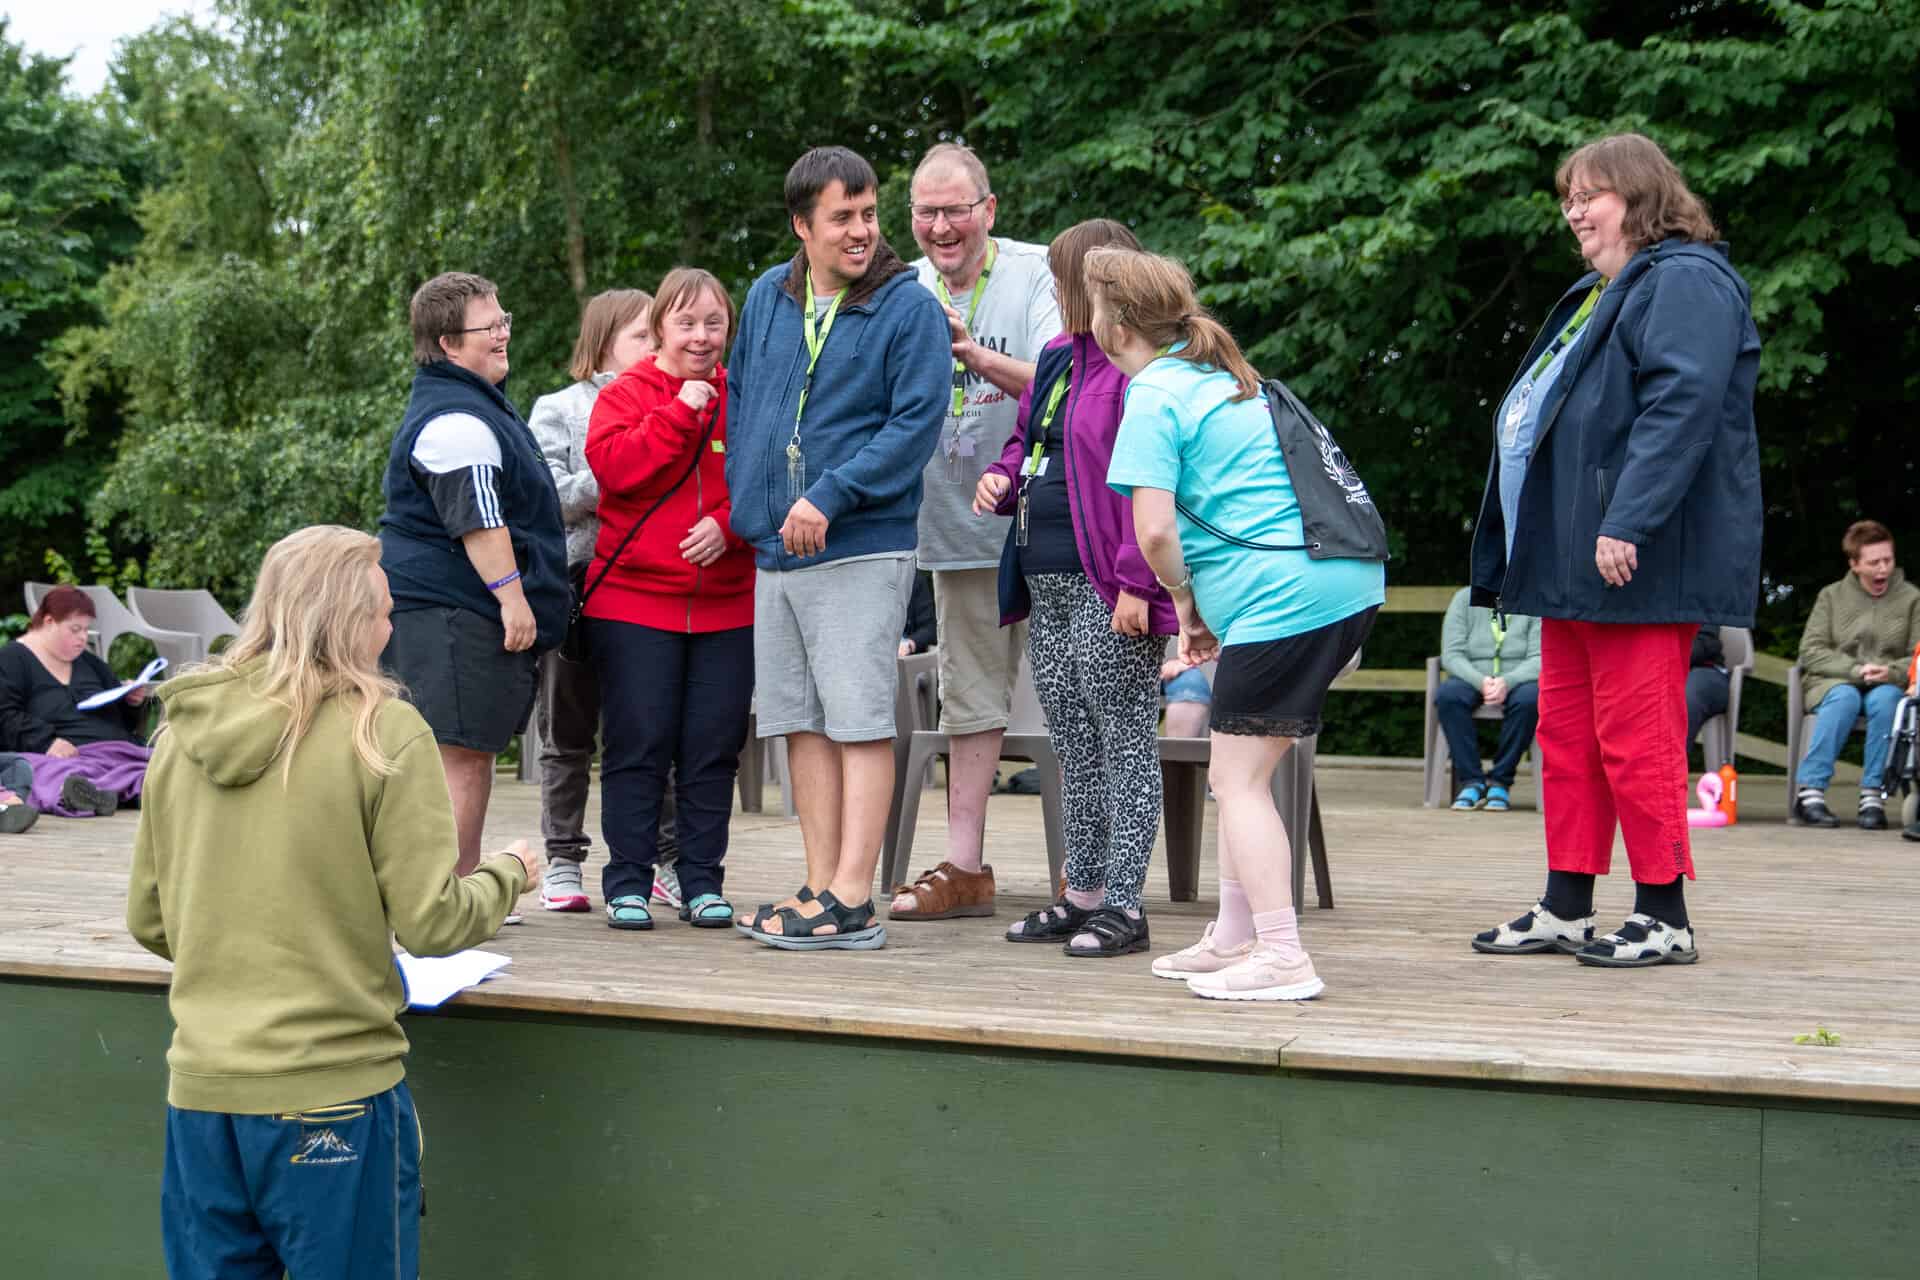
[(1036, 463), (816, 343), (1499, 639), (956, 446), (1517, 409)]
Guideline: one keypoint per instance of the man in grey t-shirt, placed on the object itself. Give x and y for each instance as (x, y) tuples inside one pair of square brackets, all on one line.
[(999, 296)]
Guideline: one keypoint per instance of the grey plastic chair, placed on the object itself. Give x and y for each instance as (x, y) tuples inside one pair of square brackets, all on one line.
[(1717, 734), (1183, 778), (1441, 780), (1025, 739), (916, 707), (194, 612), (115, 620)]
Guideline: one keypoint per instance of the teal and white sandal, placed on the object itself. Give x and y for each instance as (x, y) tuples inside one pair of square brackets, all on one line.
[(629, 911), (708, 911)]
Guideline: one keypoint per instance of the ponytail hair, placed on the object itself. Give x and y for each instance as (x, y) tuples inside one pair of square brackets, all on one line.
[(1153, 296)]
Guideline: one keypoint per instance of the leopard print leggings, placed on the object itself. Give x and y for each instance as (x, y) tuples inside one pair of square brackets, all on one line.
[(1101, 693)]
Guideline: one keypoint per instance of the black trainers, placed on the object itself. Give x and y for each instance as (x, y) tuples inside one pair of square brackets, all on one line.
[(1811, 809), (79, 794), (1873, 813)]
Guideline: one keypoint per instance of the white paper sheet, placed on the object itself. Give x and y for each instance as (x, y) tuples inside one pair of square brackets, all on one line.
[(431, 981), (105, 696)]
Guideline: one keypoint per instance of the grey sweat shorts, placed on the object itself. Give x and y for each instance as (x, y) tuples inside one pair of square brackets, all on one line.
[(826, 647)]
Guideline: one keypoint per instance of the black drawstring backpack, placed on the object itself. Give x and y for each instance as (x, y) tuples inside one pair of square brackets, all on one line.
[(1337, 515)]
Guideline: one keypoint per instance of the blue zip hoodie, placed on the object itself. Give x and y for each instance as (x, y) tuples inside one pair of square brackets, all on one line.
[(873, 418), (1647, 437)]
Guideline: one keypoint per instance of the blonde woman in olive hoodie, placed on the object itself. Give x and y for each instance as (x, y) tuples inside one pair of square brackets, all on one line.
[(296, 820)]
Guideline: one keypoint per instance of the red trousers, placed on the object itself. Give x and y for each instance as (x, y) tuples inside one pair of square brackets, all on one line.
[(1613, 746)]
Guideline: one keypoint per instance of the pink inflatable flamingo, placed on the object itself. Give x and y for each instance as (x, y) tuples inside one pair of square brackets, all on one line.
[(1709, 814)]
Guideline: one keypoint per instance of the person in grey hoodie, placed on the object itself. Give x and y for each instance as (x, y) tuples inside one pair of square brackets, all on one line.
[(840, 381)]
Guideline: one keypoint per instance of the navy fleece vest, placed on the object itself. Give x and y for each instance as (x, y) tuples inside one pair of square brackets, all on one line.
[(427, 569)]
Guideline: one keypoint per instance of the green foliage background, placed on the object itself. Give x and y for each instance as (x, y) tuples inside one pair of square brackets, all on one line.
[(204, 271)]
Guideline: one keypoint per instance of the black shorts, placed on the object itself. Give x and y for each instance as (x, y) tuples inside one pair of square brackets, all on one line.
[(1277, 688), (471, 691)]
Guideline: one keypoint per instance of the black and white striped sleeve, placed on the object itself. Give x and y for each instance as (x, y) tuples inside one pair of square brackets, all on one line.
[(456, 458)]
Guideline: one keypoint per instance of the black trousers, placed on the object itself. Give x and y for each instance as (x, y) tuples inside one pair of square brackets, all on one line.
[(670, 702)]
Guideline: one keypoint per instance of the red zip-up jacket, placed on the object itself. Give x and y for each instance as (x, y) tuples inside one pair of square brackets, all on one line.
[(640, 441)]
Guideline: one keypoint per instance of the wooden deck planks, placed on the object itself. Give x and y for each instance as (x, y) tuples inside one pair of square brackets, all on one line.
[(1798, 929)]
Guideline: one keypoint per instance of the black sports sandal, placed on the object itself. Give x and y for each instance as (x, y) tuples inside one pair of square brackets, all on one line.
[(1050, 925), (1118, 933), (854, 928)]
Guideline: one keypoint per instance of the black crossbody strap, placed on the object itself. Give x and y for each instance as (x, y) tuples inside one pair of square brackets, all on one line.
[(699, 452)]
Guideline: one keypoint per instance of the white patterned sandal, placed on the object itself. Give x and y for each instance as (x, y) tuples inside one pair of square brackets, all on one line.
[(1640, 942), (1536, 931)]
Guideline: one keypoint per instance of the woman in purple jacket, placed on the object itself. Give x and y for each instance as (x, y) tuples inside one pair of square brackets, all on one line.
[(1098, 618)]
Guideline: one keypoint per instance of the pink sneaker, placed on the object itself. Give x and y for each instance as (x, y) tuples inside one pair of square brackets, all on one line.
[(1264, 975), (1200, 958), (561, 889)]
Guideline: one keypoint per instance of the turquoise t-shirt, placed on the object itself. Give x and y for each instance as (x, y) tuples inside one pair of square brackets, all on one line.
[(1183, 432)]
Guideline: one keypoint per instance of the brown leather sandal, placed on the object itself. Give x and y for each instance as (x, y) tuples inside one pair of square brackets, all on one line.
[(947, 892)]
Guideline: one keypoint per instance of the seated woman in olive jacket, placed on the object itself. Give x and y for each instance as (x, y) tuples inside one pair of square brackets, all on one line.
[(84, 762)]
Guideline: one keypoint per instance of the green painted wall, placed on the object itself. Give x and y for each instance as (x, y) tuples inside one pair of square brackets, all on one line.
[(570, 1147)]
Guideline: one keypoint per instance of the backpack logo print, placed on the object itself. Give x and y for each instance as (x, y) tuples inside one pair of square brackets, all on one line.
[(1334, 461), (323, 1146)]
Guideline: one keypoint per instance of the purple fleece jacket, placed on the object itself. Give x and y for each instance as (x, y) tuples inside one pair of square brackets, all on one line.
[(1102, 519)]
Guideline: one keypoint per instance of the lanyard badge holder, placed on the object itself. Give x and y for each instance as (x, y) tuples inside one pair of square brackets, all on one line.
[(1517, 407), (1036, 463), (957, 445), (816, 343)]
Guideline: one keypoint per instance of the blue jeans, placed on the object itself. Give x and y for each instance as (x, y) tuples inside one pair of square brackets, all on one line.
[(1833, 722), (1454, 704), (16, 775), (327, 1194)]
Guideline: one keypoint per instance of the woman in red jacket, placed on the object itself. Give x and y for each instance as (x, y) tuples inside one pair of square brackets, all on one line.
[(671, 624)]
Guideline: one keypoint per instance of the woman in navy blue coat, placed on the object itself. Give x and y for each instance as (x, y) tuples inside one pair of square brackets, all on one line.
[(1623, 509)]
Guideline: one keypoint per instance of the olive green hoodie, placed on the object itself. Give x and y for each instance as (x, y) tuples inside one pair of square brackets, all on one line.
[(276, 900), (1849, 629)]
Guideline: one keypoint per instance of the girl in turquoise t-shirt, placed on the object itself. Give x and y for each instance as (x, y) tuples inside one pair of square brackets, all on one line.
[(1198, 455)]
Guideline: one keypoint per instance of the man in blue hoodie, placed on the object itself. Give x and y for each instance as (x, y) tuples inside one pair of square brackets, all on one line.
[(839, 381)]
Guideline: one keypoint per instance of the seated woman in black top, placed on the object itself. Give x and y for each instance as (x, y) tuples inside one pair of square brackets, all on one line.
[(83, 761)]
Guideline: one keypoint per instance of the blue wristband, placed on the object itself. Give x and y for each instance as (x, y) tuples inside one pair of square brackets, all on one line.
[(495, 586)]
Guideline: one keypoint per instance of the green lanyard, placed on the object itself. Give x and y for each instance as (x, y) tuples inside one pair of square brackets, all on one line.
[(1499, 639), (816, 343), (973, 306), (1054, 397), (1567, 334)]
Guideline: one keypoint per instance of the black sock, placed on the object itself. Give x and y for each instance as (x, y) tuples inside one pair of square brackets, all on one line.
[(1569, 895), (1666, 903)]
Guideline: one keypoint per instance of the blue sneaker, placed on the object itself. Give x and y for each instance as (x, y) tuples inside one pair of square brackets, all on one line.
[(1497, 799), (1470, 797)]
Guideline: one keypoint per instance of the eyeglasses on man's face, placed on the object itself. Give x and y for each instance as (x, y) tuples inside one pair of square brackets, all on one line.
[(957, 215), (503, 325), (1577, 201)]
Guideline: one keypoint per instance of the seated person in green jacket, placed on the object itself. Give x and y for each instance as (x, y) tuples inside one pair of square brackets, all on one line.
[(1499, 666), (1852, 657)]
